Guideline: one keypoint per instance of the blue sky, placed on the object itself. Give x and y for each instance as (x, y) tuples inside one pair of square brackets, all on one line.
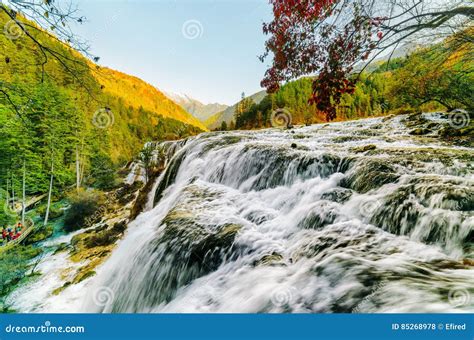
[(213, 60)]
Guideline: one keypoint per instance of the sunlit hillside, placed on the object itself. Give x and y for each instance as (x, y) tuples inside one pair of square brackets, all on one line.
[(138, 93), (57, 106)]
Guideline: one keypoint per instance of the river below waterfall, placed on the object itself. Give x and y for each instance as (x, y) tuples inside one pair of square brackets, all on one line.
[(357, 216)]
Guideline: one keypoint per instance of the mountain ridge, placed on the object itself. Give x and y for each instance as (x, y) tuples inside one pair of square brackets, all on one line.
[(227, 115), (195, 107)]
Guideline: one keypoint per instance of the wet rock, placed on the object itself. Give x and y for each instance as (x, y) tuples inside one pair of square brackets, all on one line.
[(369, 174), (127, 193), (83, 275), (169, 176), (188, 246), (364, 148), (468, 262), (387, 118), (270, 260), (259, 217), (415, 119), (339, 195), (104, 238), (449, 131), (433, 126), (420, 132), (344, 139), (142, 197), (410, 209), (322, 214), (61, 247)]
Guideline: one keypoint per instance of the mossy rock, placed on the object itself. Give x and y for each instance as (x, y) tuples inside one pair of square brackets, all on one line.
[(420, 132), (409, 204), (61, 247), (322, 214), (82, 275), (387, 118), (449, 131), (338, 195), (363, 148), (412, 156), (188, 245), (415, 119), (127, 193), (105, 236), (58, 290), (273, 259), (350, 138), (467, 131), (369, 174), (101, 239)]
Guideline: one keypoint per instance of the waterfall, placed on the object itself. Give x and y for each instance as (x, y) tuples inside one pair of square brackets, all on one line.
[(346, 217)]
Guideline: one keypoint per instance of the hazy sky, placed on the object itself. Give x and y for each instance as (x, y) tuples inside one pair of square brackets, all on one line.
[(204, 48)]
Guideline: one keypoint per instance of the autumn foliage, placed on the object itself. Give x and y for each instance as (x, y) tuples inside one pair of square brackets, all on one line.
[(328, 38), (310, 37)]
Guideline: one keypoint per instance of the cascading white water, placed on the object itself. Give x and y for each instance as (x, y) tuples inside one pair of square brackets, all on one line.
[(344, 217)]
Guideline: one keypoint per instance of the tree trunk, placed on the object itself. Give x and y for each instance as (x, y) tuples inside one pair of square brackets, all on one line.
[(13, 194), (49, 194), (23, 203), (7, 204), (78, 170)]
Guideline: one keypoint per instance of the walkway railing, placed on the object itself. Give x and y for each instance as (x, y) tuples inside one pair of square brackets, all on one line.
[(29, 227)]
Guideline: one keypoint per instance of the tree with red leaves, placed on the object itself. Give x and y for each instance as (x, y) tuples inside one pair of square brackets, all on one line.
[(329, 38)]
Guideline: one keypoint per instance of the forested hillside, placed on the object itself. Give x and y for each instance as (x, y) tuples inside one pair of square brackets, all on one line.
[(227, 116), (439, 77), (59, 113)]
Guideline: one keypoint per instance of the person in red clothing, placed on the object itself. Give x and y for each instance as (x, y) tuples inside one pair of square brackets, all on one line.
[(18, 230)]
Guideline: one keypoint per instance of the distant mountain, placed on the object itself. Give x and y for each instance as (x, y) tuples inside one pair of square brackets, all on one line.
[(194, 107), (399, 52), (227, 115)]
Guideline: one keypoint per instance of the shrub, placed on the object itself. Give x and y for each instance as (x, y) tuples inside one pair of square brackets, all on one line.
[(40, 234), (84, 206), (14, 265), (106, 237)]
